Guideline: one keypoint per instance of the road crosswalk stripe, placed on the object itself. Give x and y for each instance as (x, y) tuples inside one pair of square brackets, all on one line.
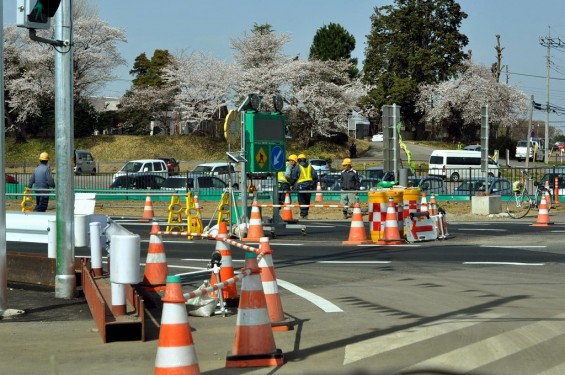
[(378, 345), (481, 353)]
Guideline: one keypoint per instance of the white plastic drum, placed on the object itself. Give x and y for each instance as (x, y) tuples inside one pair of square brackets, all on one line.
[(124, 259)]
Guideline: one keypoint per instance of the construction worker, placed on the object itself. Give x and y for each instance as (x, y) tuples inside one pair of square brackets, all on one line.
[(306, 179), (350, 183), (284, 179), (43, 181)]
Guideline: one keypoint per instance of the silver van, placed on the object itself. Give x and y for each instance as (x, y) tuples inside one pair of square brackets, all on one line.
[(84, 162)]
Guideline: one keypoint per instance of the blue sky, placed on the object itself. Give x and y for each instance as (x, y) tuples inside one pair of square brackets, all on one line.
[(208, 26)]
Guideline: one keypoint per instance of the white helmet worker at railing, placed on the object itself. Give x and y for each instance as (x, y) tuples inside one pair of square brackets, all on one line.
[(43, 181)]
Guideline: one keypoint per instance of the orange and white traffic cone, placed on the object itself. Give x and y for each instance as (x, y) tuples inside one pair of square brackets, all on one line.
[(156, 271), (271, 289), (176, 353), (148, 213), (255, 231), (196, 203), (287, 209), (434, 214), (391, 234), (543, 213), (357, 233), (229, 292), (319, 196), (424, 203)]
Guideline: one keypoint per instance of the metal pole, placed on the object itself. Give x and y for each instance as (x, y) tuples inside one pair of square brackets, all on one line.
[(65, 281), (529, 136), (3, 255), (243, 186), (545, 152)]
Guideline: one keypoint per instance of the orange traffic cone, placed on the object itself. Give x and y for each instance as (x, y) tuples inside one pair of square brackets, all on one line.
[(433, 206), (176, 353), (148, 213), (287, 209), (155, 275), (271, 289), (543, 213), (254, 344), (196, 202), (319, 196), (357, 234), (255, 231), (391, 233), (229, 292)]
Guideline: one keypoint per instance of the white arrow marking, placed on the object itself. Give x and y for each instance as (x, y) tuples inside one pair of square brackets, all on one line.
[(277, 157)]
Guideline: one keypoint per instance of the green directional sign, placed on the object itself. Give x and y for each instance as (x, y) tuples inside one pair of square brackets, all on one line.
[(265, 141)]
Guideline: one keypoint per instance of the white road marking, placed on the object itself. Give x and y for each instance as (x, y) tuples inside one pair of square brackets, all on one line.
[(481, 353), (507, 263), (208, 260), (355, 262), (318, 301), (483, 229), (516, 246), (382, 344)]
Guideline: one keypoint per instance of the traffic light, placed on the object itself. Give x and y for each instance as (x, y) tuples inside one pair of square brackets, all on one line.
[(36, 14)]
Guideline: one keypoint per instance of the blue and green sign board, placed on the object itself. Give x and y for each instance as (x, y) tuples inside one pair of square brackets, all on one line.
[(265, 141)]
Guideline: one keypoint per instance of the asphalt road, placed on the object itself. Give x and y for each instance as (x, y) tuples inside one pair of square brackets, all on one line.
[(488, 300)]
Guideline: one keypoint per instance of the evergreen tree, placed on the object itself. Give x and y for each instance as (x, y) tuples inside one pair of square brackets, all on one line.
[(412, 42), (149, 73), (333, 42)]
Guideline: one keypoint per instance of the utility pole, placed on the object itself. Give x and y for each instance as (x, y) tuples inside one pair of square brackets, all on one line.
[(548, 42)]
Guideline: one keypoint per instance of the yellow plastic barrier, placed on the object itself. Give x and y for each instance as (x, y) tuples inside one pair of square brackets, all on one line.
[(193, 220), (175, 215), (27, 201), (378, 205)]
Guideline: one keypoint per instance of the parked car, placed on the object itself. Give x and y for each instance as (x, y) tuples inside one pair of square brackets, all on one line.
[(321, 166), (138, 181), (550, 179), (430, 185), (373, 172), (84, 162), (156, 167), (369, 183), (223, 171), (173, 165), (472, 186), (472, 148), (377, 137), (11, 179), (193, 182), (330, 181)]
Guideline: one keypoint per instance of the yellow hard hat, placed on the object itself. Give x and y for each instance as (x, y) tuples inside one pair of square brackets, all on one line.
[(346, 161), (293, 157), (44, 156), (301, 156)]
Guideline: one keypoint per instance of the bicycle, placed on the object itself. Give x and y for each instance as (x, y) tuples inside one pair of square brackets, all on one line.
[(521, 202)]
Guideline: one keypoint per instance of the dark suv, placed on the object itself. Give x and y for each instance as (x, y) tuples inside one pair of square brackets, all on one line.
[(172, 165)]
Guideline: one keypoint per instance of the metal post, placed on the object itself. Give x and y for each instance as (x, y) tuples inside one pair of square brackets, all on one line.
[(529, 136), (3, 255), (65, 280)]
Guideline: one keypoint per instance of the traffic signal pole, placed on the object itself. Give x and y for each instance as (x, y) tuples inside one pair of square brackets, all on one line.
[(65, 280)]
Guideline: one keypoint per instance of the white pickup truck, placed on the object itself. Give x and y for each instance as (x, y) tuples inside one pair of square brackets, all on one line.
[(535, 149)]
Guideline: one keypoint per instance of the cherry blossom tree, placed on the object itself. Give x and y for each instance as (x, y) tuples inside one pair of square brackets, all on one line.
[(29, 65), (319, 94), (202, 85), (458, 101)]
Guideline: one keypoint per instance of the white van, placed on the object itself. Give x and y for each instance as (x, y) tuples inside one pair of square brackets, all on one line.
[(84, 162), (457, 164), (156, 167)]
